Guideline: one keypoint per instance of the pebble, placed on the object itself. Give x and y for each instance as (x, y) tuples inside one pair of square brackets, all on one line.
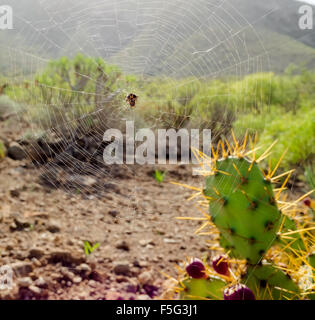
[(167, 240), (77, 279), (84, 267), (122, 269), (53, 227), (25, 282), (40, 282), (22, 269), (67, 257), (92, 283), (15, 193), (113, 213), (143, 264), (19, 224), (16, 152), (146, 277), (36, 253), (35, 289), (36, 262), (144, 242), (123, 246)]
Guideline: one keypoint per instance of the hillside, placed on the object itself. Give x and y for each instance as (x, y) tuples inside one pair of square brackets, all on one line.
[(160, 37)]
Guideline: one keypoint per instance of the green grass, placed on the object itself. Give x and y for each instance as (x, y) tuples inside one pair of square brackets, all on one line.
[(88, 248), (310, 176), (159, 176)]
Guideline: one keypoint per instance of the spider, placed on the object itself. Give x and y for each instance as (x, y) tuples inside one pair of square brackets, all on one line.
[(131, 99)]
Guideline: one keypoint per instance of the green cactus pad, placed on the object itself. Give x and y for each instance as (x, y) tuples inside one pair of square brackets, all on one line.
[(201, 289), (270, 283), (243, 208), (295, 240)]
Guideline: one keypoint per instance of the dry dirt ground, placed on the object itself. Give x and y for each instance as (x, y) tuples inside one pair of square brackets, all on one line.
[(43, 231)]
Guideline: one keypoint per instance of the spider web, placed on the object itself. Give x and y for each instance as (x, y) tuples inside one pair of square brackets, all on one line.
[(143, 38), (194, 40)]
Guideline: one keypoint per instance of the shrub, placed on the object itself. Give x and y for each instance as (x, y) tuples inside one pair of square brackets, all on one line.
[(7, 106)]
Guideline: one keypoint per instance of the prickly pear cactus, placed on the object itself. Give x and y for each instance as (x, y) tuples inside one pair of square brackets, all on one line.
[(269, 283), (243, 207), (202, 289), (294, 240), (267, 238)]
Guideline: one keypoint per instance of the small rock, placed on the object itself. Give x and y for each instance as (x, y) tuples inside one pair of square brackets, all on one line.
[(143, 264), (19, 224), (9, 247), (16, 152), (25, 282), (67, 257), (92, 283), (144, 242), (122, 269), (67, 274), (123, 246), (53, 227), (15, 193), (22, 269), (146, 277), (36, 262), (36, 253), (113, 213), (166, 240), (40, 282), (35, 289), (84, 267), (136, 263), (77, 279)]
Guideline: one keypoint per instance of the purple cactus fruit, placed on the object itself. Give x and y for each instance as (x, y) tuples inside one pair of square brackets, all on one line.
[(239, 292), (307, 202), (196, 269), (221, 266)]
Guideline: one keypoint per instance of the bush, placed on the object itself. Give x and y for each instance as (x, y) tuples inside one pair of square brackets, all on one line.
[(294, 131), (74, 94), (7, 106)]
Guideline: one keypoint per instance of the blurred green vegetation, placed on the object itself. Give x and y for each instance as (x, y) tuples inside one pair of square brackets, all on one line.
[(2, 150), (310, 176), (277, 107)]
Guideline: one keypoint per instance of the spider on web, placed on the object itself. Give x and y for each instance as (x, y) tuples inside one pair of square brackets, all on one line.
[(132, 99)]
